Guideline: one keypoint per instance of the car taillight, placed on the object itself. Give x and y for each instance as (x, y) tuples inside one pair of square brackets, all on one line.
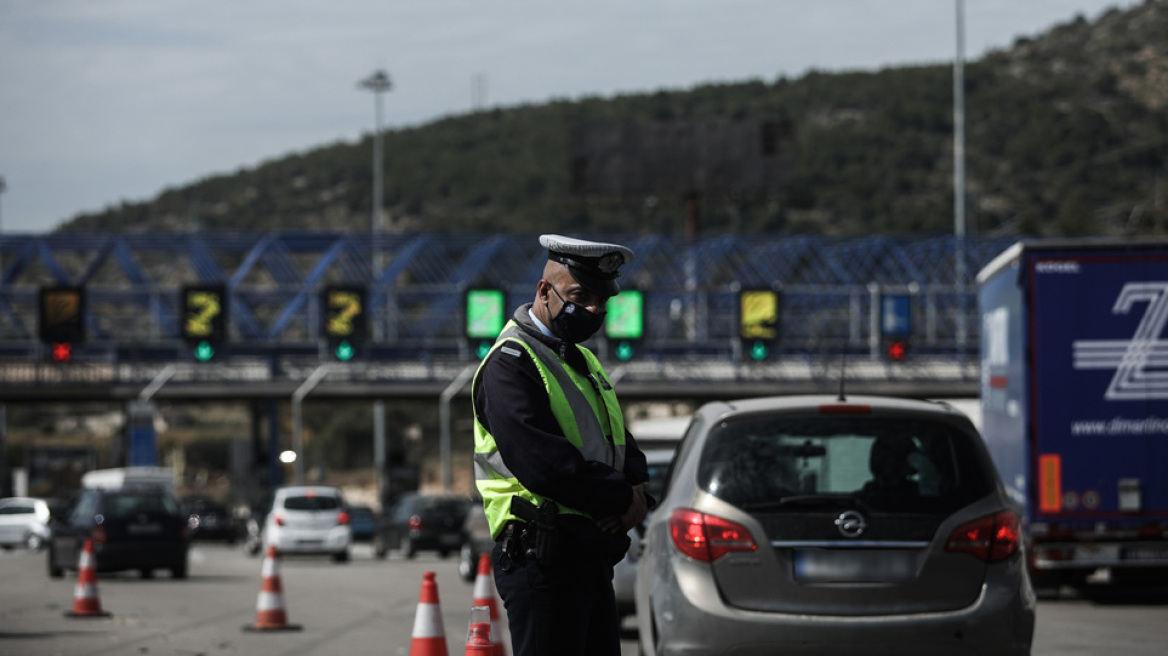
[(707, 537), (98, 534), (990, 538), (415, 523), (342, 518), (279, 520)]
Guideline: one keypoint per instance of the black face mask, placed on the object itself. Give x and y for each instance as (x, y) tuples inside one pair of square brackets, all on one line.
[(575, 323)]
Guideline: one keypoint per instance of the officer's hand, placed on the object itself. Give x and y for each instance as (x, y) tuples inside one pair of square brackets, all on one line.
[(637, 509), (631, 517)]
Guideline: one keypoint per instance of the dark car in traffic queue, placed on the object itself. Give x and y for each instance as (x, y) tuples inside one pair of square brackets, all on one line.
[(139, 528), (817, 524), (422, 522), (211, 520)]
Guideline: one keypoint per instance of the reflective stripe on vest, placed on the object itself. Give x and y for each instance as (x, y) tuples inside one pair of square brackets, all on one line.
[(578, 419)]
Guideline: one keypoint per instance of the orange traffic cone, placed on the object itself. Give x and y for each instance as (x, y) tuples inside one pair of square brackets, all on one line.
[(428, 637), (270, 615), (484, 595), (85, 600), (478, 635)]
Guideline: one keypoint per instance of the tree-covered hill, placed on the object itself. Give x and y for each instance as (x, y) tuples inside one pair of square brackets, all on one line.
[(1067, 134)]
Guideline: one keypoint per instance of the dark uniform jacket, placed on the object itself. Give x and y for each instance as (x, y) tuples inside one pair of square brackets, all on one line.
[(512, 404)]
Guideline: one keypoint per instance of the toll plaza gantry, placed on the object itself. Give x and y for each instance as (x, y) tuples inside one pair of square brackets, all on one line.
[(285, 315)]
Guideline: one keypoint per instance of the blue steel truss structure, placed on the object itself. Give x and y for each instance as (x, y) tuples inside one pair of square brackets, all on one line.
[(829, 294)]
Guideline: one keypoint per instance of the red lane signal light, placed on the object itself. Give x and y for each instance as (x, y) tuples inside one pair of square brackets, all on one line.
[(62, 352), (897, 350)]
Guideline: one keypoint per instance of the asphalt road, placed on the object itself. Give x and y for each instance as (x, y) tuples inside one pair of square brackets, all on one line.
[(368, 606)]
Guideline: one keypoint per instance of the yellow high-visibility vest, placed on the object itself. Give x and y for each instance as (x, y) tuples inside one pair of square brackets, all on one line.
[(585, 407)]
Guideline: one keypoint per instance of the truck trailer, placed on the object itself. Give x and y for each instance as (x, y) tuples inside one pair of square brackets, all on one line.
[(1074, 395)]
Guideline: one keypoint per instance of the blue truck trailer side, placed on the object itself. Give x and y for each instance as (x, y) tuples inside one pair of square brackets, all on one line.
[(1074, 393)]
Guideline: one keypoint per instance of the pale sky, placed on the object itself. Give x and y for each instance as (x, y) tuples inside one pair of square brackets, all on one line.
[(104, 101)]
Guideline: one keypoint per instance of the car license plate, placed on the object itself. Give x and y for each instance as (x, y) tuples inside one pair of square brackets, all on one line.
[(450, 540), (853, 565), (143, 529), (1145, 553), (1097, 553)]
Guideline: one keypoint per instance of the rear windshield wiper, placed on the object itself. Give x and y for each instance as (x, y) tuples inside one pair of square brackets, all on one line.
[(808, 500)]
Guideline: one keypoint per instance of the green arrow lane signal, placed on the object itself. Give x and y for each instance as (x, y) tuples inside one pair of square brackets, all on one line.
[(624, 351), (483, 349), (625, 315), (759, 350), (204, 351)]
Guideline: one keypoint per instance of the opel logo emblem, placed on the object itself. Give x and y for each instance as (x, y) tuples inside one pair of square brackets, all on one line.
[(851, 524)]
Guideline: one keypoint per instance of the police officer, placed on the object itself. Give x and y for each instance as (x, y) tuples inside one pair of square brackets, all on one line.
[(561, 480)]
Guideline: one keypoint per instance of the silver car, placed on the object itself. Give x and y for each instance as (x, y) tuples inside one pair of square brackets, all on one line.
[(24, 522), (815, 525), (309, 519)]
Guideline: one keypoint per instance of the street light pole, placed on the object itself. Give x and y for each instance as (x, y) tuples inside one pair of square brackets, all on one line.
[(3, 188), (5, 487), (959, 170), (378, 83)]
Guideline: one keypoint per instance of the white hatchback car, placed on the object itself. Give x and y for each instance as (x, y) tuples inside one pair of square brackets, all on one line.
[(309, 519), (24, 522)]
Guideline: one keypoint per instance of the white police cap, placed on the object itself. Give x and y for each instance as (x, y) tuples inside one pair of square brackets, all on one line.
[(595, 265)]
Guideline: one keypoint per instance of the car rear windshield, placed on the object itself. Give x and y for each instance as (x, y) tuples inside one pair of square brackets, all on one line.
[(16, 510), (312, 503), (121, 504), (888, 463), (427, 507)]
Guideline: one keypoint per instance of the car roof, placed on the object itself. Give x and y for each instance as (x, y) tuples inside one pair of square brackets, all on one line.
[(435, 495), (7, 501), (805, 402), (324, 490)]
